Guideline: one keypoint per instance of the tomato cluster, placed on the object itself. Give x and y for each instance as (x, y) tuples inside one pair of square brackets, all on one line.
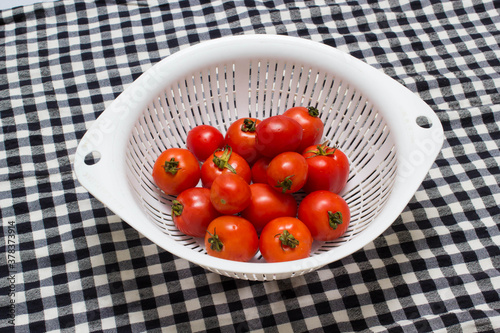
[(248, 177)]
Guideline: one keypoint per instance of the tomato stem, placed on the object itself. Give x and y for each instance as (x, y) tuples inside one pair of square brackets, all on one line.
[(334, 219), (215, 243), (222, 162), (171, 166), (322, 150), (177, 208), (285, 184), (313, 112), (248, 125), (287, 239)]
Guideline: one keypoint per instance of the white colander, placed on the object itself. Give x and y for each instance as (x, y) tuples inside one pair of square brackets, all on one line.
[(390, 136)]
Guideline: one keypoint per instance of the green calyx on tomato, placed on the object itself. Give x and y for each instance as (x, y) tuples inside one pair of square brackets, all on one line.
[(334, 219), (222, 162), (215, 243), (285, 184), (171, 166), (177, 208), (287, 239), (322, 150), (248, 125), (313, 112)]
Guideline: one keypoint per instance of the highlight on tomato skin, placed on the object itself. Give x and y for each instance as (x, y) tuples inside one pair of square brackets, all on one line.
[(231, 237)]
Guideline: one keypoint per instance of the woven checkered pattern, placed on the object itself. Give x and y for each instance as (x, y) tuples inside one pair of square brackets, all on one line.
[(72, 265)]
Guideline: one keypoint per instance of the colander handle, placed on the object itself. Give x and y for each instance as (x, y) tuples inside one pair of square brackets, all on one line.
[(96, 173), (99, 160)]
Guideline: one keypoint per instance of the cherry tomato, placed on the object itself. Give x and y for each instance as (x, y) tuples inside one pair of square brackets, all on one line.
[(231, 237), (193, 211), (241, 137), (203, 140), (285, 239), (230, 193), (175, 170), (328, 169), (287, 172), (277, 134), (311, 124), (259, 170), (267, 204), (326, 214), (224, 161)]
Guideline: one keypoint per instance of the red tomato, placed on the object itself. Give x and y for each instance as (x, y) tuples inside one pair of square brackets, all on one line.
[(285, 239), (224, 161), (326, 214), (277, 134), (287, 172), (230, 193), (241, 137), (203, 140), (175, 170), (268, 204), (328, 169), (311, 124), (192, 211), (259, 170), (231, 237)]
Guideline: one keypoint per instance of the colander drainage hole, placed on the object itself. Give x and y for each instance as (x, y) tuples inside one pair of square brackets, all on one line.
[(92, 158), (423, 122)]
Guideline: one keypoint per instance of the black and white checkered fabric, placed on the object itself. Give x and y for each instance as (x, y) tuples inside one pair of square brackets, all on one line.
[(75, 266)]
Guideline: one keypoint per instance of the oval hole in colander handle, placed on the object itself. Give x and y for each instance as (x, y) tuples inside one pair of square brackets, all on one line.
[(92, 158)]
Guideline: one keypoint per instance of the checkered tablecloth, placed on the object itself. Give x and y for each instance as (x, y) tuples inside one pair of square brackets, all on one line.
[(68, 264)]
